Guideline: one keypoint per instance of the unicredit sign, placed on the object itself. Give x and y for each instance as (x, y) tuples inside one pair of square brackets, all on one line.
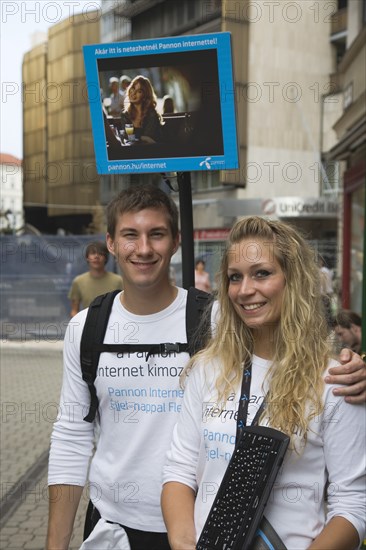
[(290, 207), (279, 207)]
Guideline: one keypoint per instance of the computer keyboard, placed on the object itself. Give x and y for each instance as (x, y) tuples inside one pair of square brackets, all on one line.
[(238, 508)]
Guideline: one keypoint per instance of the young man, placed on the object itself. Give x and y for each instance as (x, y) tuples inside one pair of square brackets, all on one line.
[(347, 327), (96, 281), (139, 394)]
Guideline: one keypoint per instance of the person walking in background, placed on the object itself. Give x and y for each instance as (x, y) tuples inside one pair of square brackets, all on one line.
[(96, 281), (326, 285), (270, 345), (326, 277), (201, 277), (140, 110), (347, 327)]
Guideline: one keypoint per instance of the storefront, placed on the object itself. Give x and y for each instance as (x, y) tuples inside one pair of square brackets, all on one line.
[(351, 150), (317, 218), (353, 236)]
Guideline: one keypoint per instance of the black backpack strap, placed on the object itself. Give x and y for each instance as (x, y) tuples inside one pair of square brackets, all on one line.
[(96, 322), (197, 302), (93, 335)]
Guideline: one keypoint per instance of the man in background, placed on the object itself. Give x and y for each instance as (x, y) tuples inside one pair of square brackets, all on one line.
[(124, 83), (96, 281), (116, 97), (347, 327)]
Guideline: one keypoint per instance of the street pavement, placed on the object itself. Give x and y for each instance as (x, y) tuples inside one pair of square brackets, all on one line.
[(30, 384)]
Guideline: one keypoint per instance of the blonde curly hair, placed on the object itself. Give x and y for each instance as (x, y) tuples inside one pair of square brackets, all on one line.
[(301, 351)]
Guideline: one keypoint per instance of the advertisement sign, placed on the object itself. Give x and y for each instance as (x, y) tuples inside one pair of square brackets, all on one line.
[(280, 207), (162, 105)]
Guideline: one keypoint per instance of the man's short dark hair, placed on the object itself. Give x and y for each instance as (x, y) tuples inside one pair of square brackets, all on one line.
[(97, 247), (346, 318), (140, 197)]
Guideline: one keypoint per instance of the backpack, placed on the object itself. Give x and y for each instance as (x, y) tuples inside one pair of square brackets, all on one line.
[(91, 345)]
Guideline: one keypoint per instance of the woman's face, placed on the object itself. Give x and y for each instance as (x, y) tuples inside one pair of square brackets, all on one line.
[(256, 282), (136, 94)]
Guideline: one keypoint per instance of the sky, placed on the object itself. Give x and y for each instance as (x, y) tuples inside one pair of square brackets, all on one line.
[(19, 20)]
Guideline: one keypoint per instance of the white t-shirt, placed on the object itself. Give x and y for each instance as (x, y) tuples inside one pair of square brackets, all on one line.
[(139, 400), (204, 439)]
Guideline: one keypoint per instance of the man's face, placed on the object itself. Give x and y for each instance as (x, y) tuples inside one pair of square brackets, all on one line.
[(114, 87), (143, 246), (347, 336), (96, 260)]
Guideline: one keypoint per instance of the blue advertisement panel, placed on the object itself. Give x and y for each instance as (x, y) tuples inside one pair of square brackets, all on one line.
[(163, 105)]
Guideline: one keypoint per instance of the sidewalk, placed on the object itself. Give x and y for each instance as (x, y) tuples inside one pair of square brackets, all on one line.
[(30, 376)]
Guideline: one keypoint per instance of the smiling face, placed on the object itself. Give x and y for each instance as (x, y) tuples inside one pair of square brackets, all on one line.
[(143, 245), (256, 283), (136, 93)]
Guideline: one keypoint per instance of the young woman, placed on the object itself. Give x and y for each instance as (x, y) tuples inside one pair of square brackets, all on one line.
[(271, 314), (140, 110)]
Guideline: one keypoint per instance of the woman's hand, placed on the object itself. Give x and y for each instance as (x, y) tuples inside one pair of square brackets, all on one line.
[(182, 544)]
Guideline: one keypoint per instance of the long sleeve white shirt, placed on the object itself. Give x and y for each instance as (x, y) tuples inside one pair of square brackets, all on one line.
[(204, 439), (139, 400)]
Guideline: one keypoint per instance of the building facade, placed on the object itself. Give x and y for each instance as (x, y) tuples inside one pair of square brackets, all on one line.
[(349, 152), (284, 123), (34, 77), (11, 197), (61, 185), (299, 97)]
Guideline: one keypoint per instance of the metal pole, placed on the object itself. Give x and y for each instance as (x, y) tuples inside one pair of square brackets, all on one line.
[(363, 312), (186, 225)]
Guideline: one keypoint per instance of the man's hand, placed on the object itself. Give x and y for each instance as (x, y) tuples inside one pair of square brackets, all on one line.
[(351, 374)]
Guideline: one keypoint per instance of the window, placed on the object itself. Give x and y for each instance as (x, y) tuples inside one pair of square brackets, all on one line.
[(191, 10), (202, 181)]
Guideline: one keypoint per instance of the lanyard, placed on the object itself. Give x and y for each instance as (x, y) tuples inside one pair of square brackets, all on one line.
[(244, 402)]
